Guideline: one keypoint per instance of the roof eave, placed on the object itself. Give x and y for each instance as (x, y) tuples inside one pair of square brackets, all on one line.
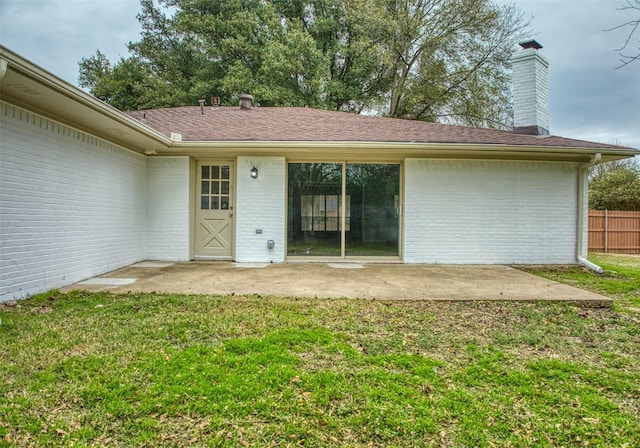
[(395, 149), (30, 87)]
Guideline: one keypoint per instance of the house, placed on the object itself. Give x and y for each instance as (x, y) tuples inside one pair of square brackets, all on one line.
[(86, 189)]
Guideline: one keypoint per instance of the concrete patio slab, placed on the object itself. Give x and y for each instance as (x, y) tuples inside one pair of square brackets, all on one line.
[(367, 281), (107, 281), (250, 265), (152, 264), (346, 265)]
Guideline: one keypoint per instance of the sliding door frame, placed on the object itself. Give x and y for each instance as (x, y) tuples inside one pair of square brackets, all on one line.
[(343, 216)]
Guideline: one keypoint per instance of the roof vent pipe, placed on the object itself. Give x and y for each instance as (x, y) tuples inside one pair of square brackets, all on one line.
[(245, 101), (530, 90), (201, 106)]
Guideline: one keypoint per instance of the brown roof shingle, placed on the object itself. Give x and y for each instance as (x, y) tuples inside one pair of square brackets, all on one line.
[(303, 124)]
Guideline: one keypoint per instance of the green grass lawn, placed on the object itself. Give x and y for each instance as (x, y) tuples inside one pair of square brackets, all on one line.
[(620, 279), (96, 369)]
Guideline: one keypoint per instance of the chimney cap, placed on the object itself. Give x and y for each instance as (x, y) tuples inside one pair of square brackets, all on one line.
[(531, 43)]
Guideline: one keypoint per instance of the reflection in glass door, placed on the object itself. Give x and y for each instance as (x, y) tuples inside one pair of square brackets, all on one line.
[(338, 210), (374, 190), (314, 214)]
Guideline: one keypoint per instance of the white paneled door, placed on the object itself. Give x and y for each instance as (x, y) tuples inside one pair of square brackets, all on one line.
[(214, 210)]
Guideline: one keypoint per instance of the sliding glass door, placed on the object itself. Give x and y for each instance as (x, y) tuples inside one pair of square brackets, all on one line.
[(314, 209), (343, 210), (374, 190)]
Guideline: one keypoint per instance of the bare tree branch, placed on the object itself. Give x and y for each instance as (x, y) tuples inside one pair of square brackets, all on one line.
[(626, 59)]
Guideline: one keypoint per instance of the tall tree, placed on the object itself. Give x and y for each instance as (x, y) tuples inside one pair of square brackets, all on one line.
[(348, 38), (430, 60), (450, 60)]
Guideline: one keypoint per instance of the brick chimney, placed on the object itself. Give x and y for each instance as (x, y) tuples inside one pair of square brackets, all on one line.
[(530, 90), (245, 101)]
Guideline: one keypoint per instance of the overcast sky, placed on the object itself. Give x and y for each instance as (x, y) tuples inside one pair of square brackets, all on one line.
[(590, 99)]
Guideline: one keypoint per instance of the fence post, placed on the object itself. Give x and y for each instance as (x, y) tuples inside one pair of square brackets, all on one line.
[(606, 230)]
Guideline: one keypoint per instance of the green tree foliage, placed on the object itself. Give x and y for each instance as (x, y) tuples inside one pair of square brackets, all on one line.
[(430, 60), (616, 189)]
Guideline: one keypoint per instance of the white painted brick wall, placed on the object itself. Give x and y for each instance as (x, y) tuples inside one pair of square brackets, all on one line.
[(260, 204), (168, 199), (72, 206), (461, 212), (530, 89)]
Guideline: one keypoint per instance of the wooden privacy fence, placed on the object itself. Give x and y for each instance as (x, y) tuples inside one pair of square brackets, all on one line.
[(614, 231)]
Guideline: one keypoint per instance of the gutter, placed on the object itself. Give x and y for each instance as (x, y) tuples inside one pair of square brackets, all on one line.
[(419, 148), (580, 243), (396, 150)]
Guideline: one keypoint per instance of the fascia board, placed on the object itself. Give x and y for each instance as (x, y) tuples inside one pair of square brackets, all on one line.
[(396, 149), (30, 87)]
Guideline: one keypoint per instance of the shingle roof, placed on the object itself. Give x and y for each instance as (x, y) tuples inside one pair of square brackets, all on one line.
[(270, 124)]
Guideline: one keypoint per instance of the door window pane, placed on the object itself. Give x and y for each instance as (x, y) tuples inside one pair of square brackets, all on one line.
[(215, 194)]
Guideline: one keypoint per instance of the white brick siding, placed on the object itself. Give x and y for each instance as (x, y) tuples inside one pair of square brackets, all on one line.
[(72, 206), (460, 211), (260, 204), (168, 199), (530, 89)]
